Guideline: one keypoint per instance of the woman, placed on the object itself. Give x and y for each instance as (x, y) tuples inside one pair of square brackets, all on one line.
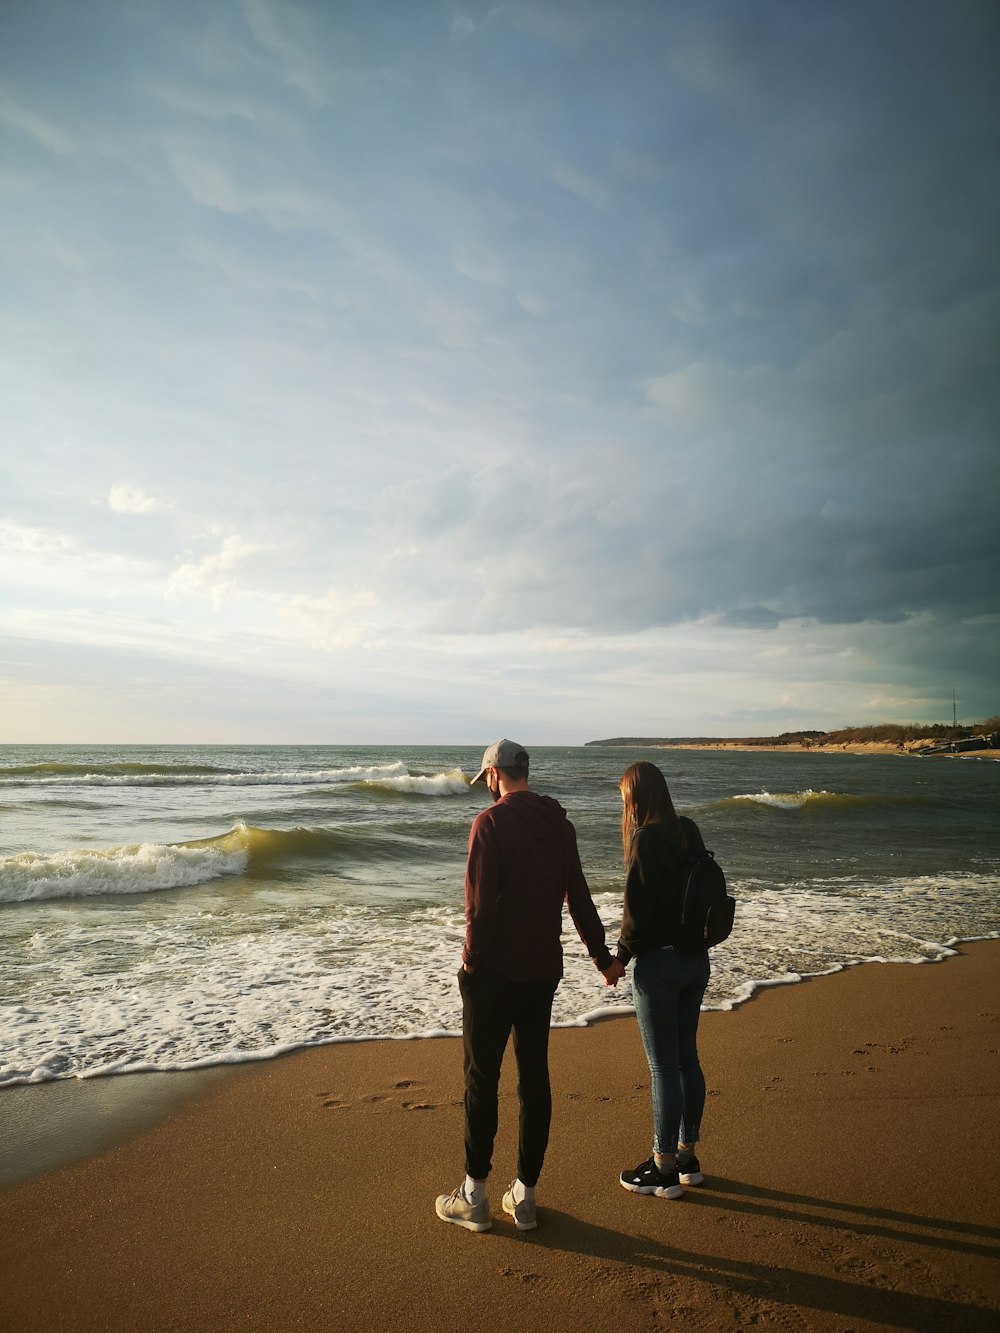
[(667, 985)]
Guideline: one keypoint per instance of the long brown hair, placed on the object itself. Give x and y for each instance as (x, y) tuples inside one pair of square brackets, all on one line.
[(646, 800)]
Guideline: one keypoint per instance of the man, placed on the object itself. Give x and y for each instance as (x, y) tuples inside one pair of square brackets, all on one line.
[(522, 865)]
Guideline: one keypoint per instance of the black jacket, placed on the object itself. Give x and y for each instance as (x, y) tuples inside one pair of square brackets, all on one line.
[(651, 911)]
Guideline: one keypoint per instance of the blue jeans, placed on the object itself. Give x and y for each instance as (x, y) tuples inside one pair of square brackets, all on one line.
[(668, 988)]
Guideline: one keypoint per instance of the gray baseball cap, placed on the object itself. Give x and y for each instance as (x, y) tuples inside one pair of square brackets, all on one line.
[(502, 754)]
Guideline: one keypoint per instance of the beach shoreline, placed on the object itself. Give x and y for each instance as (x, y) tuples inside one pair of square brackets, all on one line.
[(299, 1192), (55, 1122)]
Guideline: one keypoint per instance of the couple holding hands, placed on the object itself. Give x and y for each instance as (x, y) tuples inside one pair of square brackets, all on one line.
[(522, 865)]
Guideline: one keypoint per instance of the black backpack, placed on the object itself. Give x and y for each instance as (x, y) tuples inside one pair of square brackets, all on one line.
[(707, 911)]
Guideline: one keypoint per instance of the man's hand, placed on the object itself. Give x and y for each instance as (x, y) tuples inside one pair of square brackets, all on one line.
[(614, 973)]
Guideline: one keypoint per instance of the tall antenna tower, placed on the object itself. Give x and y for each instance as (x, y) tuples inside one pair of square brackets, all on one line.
[(954, 712)]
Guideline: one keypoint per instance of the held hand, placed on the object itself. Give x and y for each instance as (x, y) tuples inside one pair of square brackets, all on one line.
[(614, 973)]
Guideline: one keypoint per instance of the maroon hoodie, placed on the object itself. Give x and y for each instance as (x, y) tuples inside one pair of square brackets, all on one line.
[(523, 864)]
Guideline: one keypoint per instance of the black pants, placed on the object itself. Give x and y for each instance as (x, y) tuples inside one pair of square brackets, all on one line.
[(493, 1006)]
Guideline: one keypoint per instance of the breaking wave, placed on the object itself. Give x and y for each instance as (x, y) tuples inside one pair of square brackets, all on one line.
[(452, 783), (152, 866), (799, 800)]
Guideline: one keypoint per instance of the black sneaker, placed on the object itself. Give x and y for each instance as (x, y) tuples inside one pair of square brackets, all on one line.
[(646, 1178), (689, 1172)]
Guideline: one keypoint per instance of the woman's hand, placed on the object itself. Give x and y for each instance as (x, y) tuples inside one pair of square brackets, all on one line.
[(614, 973)]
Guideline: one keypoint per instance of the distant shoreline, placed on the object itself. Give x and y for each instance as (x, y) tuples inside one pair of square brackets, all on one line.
[(911, 750), (907, 750)]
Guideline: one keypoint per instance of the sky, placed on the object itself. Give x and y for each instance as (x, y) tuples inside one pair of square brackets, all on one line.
[(429, 372)]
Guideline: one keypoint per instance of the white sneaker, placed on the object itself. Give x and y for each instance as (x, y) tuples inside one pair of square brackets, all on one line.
[(456, 1208), (523, 1213)]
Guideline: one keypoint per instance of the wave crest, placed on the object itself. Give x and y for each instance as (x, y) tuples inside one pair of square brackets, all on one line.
[(139, 868), (797, 800), (451, 783)]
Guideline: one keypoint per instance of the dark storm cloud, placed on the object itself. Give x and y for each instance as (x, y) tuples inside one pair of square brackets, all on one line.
[(820, 332)]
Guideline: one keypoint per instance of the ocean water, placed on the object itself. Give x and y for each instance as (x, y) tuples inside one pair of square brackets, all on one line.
[(167, 908)]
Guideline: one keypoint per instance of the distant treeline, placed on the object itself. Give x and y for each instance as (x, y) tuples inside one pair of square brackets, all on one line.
[(897, 733), (891, 733)]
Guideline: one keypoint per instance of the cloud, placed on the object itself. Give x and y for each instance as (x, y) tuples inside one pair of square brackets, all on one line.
[(130, 500), (212, 575), (583, 186), (335, 620), (291, 33), (535, 305), (210, 103), (56, 571), (480, 265), (38, 127), (208, 182), (33, 541), (461, 27)]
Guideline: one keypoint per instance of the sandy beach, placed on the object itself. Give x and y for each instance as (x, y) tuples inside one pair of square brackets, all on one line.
[(850, 1149)]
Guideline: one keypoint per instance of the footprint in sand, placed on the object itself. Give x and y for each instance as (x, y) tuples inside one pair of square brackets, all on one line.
[(328, 1099)]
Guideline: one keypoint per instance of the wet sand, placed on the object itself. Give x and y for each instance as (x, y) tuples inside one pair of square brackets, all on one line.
[(47, 1125), (851, 1151)]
